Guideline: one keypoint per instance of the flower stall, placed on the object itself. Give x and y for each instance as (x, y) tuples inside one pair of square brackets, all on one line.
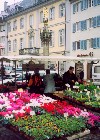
[(87, 95), (40, 117)]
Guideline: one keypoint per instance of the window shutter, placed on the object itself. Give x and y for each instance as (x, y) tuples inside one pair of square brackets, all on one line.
[(85, 44), (82, 25), (98, 21), (98, 42), (94, 22), (81, 44), (85, 2), (74, 46), (85, 25), (82, 6), (74, 8), (74, 27), (94, 2), (98, 2), (94, 43)]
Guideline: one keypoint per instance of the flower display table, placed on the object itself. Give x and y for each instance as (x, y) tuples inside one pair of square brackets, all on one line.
[(39, 117)]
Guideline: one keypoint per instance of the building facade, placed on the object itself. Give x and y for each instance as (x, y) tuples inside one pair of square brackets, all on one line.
[(3, 37), (85, 30), (25, 22), (24, 28)]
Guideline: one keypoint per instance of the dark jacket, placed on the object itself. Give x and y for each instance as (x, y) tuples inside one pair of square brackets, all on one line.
[(68, 77)]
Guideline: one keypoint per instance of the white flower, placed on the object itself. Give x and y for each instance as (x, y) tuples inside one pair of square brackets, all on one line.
[(77, 87), (65, 114), (9, 116), (67, 85), (85, 90), (22, 111), (76, 83), (32, 113)]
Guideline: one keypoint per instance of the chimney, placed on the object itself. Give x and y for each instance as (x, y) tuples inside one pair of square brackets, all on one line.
[(5, 5)]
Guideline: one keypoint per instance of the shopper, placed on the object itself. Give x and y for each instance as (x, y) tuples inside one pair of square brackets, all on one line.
[(35, 82), (69, 77), (49, 82)]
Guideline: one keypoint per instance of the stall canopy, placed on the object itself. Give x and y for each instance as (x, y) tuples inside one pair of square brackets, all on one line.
[(49, 58)]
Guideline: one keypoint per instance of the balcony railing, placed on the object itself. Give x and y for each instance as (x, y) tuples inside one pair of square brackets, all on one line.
[(29, 51)]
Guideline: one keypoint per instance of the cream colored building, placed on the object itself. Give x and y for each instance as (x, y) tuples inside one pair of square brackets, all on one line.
[(24, 26), (21, 35)]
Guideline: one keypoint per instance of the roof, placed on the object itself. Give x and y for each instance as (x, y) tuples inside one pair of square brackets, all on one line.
[(22, 6)]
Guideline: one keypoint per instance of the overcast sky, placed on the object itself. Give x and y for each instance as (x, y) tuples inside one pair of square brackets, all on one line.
[(9, 3)]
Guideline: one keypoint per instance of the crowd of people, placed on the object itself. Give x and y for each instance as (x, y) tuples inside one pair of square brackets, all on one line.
[(48, 83)]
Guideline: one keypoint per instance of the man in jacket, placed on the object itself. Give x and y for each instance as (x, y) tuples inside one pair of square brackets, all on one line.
[(69, 77)]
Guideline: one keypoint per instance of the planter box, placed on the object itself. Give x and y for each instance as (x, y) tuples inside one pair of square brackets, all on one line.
[(82, 104), (16, 130)]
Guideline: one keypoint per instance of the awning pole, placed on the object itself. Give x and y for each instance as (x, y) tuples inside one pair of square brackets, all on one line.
[(15, 72), (58, 67), (2, 70)]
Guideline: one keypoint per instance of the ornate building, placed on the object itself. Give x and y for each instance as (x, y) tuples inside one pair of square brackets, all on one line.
[(24, 21)]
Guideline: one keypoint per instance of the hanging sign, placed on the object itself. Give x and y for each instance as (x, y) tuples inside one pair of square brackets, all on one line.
[(32, 67)]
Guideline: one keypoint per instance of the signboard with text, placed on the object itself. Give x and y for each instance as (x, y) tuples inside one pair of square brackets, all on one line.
[(32, 67)]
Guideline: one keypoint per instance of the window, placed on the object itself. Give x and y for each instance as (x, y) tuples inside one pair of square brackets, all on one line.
[(94, 22), (98, 42), (41, 16), (9, 27), (52, 39), (78, 26), (14, 45), (74, 27), (21, 43), (89, 3), (75, 7), (74, 46), (9, 46), (90, 43), (21, 23), (31, 20), (84, 4), (78, 45), (83, 25), (61, 37), (83, 44), (62, 9), (52, 13), (90, 22), (2, 51), (94, 44), (98, 21), (2, 28), (14, 25), (2, 39), (31, 42), (97, 69)]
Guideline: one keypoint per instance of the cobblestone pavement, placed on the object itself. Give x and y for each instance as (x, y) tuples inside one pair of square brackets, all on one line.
[(6, 134)]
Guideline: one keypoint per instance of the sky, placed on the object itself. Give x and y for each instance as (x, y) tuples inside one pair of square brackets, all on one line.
[(9, 3)]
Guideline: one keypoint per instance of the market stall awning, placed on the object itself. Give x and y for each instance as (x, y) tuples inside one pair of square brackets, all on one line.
[(50, 58)]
